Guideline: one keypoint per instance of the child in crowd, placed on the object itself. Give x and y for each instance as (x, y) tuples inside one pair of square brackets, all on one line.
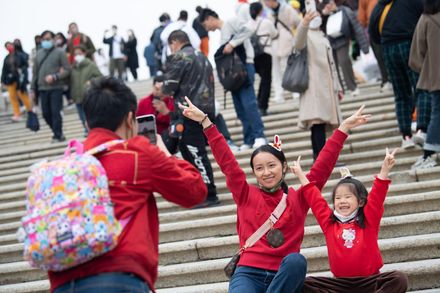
[(271, 263), (351, 232)]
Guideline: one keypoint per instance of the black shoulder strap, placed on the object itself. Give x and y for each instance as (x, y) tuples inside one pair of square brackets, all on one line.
[(39, 64), (277, 20)]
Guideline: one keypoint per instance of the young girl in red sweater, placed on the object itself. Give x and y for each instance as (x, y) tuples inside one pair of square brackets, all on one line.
[(268, 265), (351, 233)]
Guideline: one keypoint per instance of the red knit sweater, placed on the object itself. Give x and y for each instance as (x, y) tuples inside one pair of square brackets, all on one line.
[(254, 206), (352, 251), (136, 169)]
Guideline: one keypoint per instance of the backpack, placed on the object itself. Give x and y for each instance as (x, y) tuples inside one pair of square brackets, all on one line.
[(256, 42), (69, 215), (230, 69)]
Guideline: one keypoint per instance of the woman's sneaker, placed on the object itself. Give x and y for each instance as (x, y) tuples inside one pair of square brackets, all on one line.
[(419, 138), (407, 143), (423, 163)]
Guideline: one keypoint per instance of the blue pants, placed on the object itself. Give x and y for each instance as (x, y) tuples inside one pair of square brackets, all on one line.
[(289, 278), (107, 282), (82, 116), (245, 103), (51, 105), (433, 135)]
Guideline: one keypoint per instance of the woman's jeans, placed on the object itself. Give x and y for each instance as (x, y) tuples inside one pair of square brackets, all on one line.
[(289, 278), (106, 282), (433, 134)]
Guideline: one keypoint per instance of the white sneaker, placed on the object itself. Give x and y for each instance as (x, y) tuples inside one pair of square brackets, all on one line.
[(279, 99), (232, 146), (407, 143), (414, 126), (386, 87), (245, 147), (419, 138), (259, 142), (355, 93), (422, 163)]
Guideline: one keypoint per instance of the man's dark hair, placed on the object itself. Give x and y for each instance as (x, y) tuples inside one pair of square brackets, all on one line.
[(164, 17), (52, 35), (207, 12), (8, 43), (108, 102), (158, 78), (255, 8), (183, 15), (114, 27), (179, 36), (431, 6)]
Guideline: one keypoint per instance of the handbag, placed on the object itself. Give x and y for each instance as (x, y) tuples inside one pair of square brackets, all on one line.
[(296, 75), (270, 222), (32, 121), (334, 24)]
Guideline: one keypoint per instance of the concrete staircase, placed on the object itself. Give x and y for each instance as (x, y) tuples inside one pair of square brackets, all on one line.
[(195, 245)]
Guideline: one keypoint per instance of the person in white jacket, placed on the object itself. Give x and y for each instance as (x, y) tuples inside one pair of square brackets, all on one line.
[(180, 24), (285, 19)]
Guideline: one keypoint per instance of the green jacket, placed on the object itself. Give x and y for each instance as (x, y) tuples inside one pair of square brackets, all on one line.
[(81, 74)]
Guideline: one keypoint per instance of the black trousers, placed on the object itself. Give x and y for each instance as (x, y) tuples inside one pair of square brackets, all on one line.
[(222, 127), (318, 139), (263, 66), (192, 146), (133, 71), (377, 50), (51, 105)]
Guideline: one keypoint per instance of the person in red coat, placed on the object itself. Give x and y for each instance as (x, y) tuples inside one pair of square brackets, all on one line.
[(265, 267), (158, 105), (351, 231), (135, 170)]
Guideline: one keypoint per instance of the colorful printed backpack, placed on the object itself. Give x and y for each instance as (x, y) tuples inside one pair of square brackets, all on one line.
[(69, 215)]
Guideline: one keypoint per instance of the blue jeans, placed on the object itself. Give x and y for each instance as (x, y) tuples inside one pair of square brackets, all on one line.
[(289, 278), (82, 116), (51, 105), (433, 135), (106, 282), (245, 103)]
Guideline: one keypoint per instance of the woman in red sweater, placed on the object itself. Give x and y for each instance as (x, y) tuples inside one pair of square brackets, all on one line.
[(351, 232), (264, 267)]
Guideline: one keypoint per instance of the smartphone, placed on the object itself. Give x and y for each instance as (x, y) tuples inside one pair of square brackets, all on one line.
[(310, 5), (147, 127)]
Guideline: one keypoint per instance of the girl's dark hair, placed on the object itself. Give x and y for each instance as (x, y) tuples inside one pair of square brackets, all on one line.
[(254, 9), (63, 38), (431, 6), (278, 154), (361, 193)]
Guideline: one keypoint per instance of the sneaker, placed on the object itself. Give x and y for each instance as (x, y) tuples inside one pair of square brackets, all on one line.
[(56, 140), (414, 126), (259, 142), (207, 203), (355, 93), (407, 143), (422, 163), (16, 119), (245, 147), (386, 87), (419, 138), (279, 99), (233, 146)]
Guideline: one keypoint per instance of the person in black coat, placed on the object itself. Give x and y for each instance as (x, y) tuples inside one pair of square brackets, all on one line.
[(131, 53)]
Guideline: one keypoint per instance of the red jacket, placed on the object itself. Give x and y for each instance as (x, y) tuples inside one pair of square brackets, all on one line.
[(136, 169), (146, 107), (352, 251), (254, 206)]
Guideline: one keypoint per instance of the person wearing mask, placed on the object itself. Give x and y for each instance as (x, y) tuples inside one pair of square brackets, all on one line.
[(236, 36), (15, 78), (131, 53), (155, 40), (424, 59), (203, 34), (83, 71), (60, 40), (136, 170), (180, 24), (350, 29), (319, 104), (50, 70), (77, 38), (189, 74), (19, 48), (285, 19), (116, 52), (265, 31), (395, 36)]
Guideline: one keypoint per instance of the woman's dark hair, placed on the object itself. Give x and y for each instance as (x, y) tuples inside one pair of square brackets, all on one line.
[(61, 35), (278, 154), (80, 47), (431, 6), (183, 15), (254, 9), (361, 193), (108, 102)]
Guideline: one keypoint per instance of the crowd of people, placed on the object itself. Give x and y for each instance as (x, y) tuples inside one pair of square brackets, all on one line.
[(262, 36)]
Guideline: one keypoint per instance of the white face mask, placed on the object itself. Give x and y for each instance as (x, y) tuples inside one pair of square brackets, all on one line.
[(315, 23), (79, 58)]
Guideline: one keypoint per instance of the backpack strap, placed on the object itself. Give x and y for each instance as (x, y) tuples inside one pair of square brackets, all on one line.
[(103, 147), (79, 147)]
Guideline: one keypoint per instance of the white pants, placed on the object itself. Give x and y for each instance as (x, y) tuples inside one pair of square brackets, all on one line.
[(278, 67)]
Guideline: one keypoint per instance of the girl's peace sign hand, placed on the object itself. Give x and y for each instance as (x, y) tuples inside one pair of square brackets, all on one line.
[(388, 163)]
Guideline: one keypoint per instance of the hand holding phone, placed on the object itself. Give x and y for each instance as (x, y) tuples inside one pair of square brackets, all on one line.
[(147, 127)]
